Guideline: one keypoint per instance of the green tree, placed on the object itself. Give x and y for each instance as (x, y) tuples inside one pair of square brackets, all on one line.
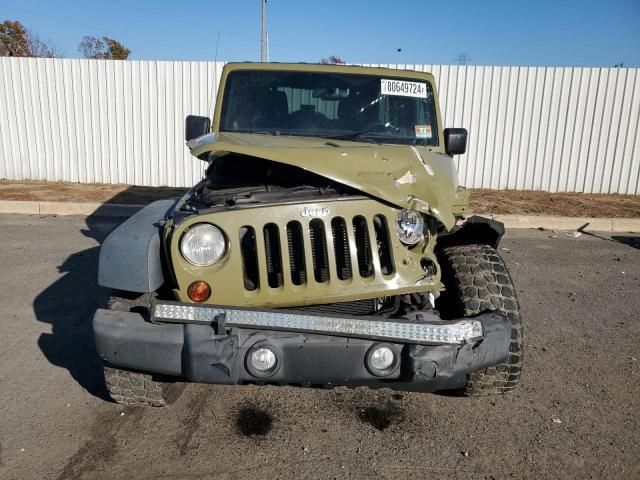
[(104, 48), (17, 41)]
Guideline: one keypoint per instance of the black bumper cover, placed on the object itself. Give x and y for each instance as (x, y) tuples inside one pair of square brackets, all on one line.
[(197, 353)]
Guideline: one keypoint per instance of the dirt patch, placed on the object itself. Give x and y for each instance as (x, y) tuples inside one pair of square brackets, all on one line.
[(498, 202), (84, 193), (562, 204)]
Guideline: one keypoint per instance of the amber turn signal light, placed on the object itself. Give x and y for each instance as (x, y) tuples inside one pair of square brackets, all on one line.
[(199, 291)]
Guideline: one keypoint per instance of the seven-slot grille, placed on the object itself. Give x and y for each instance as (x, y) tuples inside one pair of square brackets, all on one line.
[(315, 250)]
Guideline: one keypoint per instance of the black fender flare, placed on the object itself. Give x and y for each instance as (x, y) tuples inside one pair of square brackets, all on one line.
[(131, 256), (475, 230)]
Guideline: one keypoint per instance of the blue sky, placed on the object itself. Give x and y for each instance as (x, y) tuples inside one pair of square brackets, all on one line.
[(544, 32)]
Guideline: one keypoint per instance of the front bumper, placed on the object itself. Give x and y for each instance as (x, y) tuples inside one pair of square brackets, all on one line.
[(211, 344)]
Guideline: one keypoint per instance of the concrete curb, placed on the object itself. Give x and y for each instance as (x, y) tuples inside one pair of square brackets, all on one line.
[(549, 222), (510, 221), (68, 208)]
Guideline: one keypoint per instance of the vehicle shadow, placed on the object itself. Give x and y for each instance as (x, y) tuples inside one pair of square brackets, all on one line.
[(632, 241), (68, 306)]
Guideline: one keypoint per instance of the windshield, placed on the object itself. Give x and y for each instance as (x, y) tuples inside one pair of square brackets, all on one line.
[(330, 105)]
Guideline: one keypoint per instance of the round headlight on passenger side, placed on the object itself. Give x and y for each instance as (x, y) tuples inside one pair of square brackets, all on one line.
[(203, 245), (410, 226)]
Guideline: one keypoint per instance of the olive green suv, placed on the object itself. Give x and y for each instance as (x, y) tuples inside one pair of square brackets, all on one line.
[(326, 245)]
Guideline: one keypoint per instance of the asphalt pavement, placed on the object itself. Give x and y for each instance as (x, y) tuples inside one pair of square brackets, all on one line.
[(576, 413)]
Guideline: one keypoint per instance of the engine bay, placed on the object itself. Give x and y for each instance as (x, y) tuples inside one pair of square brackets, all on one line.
[(236, 180)]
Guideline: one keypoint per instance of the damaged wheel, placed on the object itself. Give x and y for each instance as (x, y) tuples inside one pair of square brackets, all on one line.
[(477, 280), (131, 388)]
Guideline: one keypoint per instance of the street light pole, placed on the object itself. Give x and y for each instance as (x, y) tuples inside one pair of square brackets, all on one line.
[(262, 32), (268, 56)]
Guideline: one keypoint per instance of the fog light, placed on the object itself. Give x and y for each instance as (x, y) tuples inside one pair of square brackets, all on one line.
[(381, 360), (199, 291), (263, 359)]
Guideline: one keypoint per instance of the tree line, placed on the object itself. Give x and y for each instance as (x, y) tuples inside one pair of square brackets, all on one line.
[(18, 41)]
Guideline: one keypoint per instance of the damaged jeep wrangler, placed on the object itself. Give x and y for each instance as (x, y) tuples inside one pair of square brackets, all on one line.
[(326, 245)]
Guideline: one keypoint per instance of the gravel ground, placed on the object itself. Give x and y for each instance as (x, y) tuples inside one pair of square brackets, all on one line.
[(575, 415)]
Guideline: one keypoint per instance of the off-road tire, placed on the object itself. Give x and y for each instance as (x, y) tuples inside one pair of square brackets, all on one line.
[(136, 388), (140, 389), (477, 280)]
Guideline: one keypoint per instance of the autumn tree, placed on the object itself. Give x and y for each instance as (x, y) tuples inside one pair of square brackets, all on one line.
[(38, 48), (104, 48), (17, 41), (333, 60)]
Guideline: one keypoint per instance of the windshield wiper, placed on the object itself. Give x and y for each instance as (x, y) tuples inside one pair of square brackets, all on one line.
[(356, 136), (257, 132)]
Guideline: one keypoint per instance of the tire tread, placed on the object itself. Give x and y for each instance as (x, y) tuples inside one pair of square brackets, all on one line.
[(140, 389), (132, 388), (477, 280)]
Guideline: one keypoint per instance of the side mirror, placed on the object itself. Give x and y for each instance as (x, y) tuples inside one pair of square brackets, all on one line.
[(455, 141), (196, 126)]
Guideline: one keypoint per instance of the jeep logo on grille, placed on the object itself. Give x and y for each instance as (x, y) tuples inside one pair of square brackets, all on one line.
[(314, 212)]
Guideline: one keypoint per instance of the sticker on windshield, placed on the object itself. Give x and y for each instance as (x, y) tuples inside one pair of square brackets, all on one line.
[(423, 131), (403, 88)]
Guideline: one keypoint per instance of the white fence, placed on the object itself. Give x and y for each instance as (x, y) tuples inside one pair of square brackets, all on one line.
[(530, 128)]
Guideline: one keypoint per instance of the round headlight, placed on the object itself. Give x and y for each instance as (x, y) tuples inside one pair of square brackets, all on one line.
[(203, 245), (410, 226)]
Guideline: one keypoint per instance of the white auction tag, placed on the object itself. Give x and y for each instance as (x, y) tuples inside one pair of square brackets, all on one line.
[(403, 88)]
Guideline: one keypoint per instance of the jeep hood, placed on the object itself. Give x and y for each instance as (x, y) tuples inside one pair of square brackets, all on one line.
[(407, 176)]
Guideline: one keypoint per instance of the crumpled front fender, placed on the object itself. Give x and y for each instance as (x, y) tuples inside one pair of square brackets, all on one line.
[(130, 257)]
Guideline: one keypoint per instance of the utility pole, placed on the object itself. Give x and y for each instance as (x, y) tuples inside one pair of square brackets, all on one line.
[(215, 59), (264, 28), (462, 59), (268, 56)]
